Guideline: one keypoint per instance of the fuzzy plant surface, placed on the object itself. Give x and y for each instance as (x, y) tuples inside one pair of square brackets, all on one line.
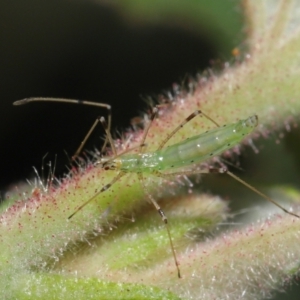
[(116, 247)]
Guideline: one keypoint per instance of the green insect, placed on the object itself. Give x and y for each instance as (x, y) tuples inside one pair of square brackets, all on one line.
[(168, 161)]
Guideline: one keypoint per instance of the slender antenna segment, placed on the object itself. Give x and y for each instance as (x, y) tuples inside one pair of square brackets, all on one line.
[(74, 101)]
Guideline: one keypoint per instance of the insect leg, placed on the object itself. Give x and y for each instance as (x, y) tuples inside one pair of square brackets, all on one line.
[(260, 193), (225, 170), (108, 135), (185, 121), (103, 189), (154, 113), (152, 200), (110, 139), (164, 219), (205, 170)]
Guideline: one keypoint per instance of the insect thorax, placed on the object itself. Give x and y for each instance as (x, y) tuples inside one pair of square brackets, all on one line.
[(140, 162)]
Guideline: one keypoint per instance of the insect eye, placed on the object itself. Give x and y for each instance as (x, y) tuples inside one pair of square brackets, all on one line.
[(106, 168)]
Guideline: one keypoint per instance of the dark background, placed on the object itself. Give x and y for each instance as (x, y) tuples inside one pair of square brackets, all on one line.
[(93, 51), (81, 50)]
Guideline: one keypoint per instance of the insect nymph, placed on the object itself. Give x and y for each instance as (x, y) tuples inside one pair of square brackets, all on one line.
[(169, 161)]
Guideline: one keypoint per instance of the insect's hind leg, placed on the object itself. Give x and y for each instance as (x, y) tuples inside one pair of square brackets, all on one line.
[(260, 193), (184, 122), (224, 170), (164, 219)]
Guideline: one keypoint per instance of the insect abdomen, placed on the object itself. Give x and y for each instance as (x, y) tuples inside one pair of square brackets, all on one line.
[(203, 146)]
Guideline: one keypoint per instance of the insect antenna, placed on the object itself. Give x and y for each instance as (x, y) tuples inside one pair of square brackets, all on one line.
[(74, 101)]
